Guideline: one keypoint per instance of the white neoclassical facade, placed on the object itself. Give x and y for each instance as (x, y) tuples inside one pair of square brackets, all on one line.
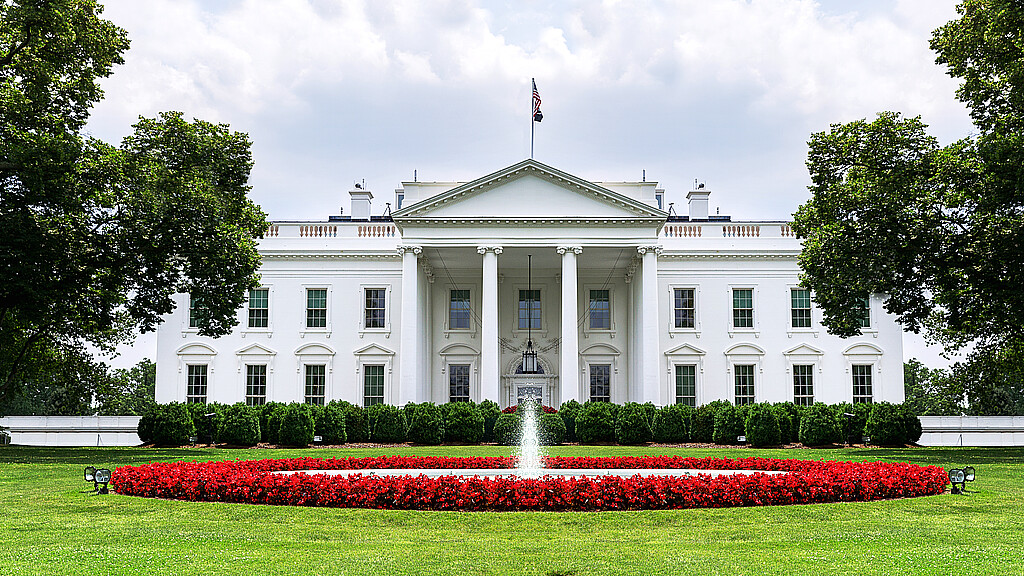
[(622, 300)]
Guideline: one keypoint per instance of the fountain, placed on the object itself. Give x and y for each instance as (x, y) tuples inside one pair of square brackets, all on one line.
[(529, 458)]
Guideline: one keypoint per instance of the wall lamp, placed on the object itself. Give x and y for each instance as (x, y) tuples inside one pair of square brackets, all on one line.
[(98, 476), (961, 476)]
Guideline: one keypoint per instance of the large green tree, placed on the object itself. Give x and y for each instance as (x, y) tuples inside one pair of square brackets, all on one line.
[(938, 230), (95, 239)]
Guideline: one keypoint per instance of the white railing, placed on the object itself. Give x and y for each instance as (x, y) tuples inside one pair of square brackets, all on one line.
[(332, 230), (72, 430), (972, 431), (711, 230)]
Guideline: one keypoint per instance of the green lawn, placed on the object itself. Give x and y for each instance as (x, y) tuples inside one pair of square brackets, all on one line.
[(50, 527)]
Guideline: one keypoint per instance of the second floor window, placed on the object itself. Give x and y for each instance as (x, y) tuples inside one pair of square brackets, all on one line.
[(683, 307), (458, 310), (800, 307), (742, 308), (259, 308), (374, 310), (529, 309), (600, 310), (316, 308)]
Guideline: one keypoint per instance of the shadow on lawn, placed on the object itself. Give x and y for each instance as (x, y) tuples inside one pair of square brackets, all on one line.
[(89, 455), (948, 455)]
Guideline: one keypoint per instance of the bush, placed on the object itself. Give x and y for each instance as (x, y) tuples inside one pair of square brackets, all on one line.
[(632, 425), (851, 429), (169, 424), (596, 422), (672, 424), (892, 425), (818, 426), (296, 425), (507, 429), (270, 421), (332, 426), (568, 412), (729, 425), (239, 425), (317, 412), (550, 429), (357, 424), (786, 434), (426, 425), (703, 426), (388, 425), (762, 426), (463, 422), (490, 410), (206, 426)]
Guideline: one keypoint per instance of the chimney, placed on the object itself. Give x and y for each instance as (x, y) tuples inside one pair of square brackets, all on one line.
[(360, 202), (698, 203)]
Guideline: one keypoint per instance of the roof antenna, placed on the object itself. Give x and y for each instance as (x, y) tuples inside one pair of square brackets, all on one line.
[(387, 209), (672, 209), (645, 176), (414, 176)]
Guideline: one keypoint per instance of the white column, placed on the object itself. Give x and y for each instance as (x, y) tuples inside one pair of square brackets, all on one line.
[(569, 375), (409, 362), (490, 349), (649, 325)]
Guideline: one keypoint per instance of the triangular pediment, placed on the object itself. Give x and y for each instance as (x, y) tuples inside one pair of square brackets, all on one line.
[(803, 350), (374, 350), (685, 350), (529, 190), (255, 349)]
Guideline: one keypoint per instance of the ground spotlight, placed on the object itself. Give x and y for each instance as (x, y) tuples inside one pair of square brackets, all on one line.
[(97, 476), (961, 476)]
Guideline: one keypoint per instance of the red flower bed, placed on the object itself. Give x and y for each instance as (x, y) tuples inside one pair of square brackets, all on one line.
[(547, 409), (251, 482)]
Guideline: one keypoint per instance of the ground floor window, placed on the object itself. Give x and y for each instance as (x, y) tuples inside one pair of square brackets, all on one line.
[(686, 385), (255, 384), (373, 384), (862, 384), (803, 384), (600, 383), (458, 383), (195, 392), (316, 383), (744, 380)]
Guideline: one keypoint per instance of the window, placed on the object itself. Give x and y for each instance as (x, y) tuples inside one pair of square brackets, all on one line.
[(800, 307), (865, 312), (686, 385), (374, 310), (529, 309), (316, 383), (803, 384), (259, 308), (458, 383), (458, 310), (744, 378), (600, 383), (742, 308), (316, 308), (600, 310), (255, 384), (683, 304), (373, 384), (862, 384), (193, 306), (195, 392)]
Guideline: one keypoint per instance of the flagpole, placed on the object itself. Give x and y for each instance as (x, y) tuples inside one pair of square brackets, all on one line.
[(533, 82)]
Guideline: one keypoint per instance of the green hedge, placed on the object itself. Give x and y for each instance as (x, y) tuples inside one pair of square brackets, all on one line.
[(762, 426), (297, 426), (507, 429), (818, 426), (463, 422), (331, 427), (387, 424), (167, 425), (633, 425), (596, 423), (551, 429), (490, 411), (426, 426), (729, 425), (671, 424), (239, 425), (892, 425), (568, 412)]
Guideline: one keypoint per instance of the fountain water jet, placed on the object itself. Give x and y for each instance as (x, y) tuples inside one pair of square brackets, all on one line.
[(529, 458)]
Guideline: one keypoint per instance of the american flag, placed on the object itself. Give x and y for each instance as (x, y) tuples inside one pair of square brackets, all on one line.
[(537, 114)]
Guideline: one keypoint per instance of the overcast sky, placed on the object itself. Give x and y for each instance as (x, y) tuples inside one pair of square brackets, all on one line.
[(723, 91)]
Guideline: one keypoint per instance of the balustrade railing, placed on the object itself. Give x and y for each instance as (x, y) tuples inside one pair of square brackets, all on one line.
[(344, 230)]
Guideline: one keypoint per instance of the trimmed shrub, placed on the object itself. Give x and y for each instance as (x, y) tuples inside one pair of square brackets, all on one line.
[(728, 424), (318, 417), (206, 426), (388, 425), (649, 410), (357, 424), (550, 429), (888, 425), (270, 421), (762, 426), (147, 423), (818, 426), (632, 425), (670, 424), (296, 425), (463, 422), (426, 425), (912, 423), (490, 410), (596, 422), (239, 425), (851, 429), (171, 424), (568, 412), (703, 425), (332, 426), (507, 429), (785, 425)]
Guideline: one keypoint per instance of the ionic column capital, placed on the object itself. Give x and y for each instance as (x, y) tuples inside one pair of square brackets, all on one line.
[(417, 250), (485, 249), (645, 249), (575, 249)]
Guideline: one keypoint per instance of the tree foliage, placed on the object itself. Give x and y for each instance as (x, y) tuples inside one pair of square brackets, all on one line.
[(95, 239)]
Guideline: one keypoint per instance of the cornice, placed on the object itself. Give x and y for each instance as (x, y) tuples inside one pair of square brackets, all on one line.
[(321, 255), (519, 221)]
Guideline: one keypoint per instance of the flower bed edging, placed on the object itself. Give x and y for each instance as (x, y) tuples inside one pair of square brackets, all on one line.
[(252, 482)]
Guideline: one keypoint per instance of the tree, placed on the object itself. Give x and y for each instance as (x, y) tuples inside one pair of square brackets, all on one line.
[(932, 392), (63, 385), (127, 392), (938, 230), (96, 239)]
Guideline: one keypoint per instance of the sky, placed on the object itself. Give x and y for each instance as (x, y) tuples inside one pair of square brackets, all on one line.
[(726, 92)]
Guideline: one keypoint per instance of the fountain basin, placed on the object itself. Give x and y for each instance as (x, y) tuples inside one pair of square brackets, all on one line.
[(542, 473)]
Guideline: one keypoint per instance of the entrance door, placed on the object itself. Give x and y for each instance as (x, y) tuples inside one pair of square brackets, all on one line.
[(535, 391)]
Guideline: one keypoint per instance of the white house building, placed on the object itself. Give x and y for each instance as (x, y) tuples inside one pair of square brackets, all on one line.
[(621, 301)]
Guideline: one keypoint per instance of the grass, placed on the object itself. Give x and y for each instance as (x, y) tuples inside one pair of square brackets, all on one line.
[(50, 527)]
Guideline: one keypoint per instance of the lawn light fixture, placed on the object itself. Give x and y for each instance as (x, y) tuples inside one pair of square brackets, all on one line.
[(102, 477), (741, 439), (318, 439), (961, 476), (969, 474), (90, 473)]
